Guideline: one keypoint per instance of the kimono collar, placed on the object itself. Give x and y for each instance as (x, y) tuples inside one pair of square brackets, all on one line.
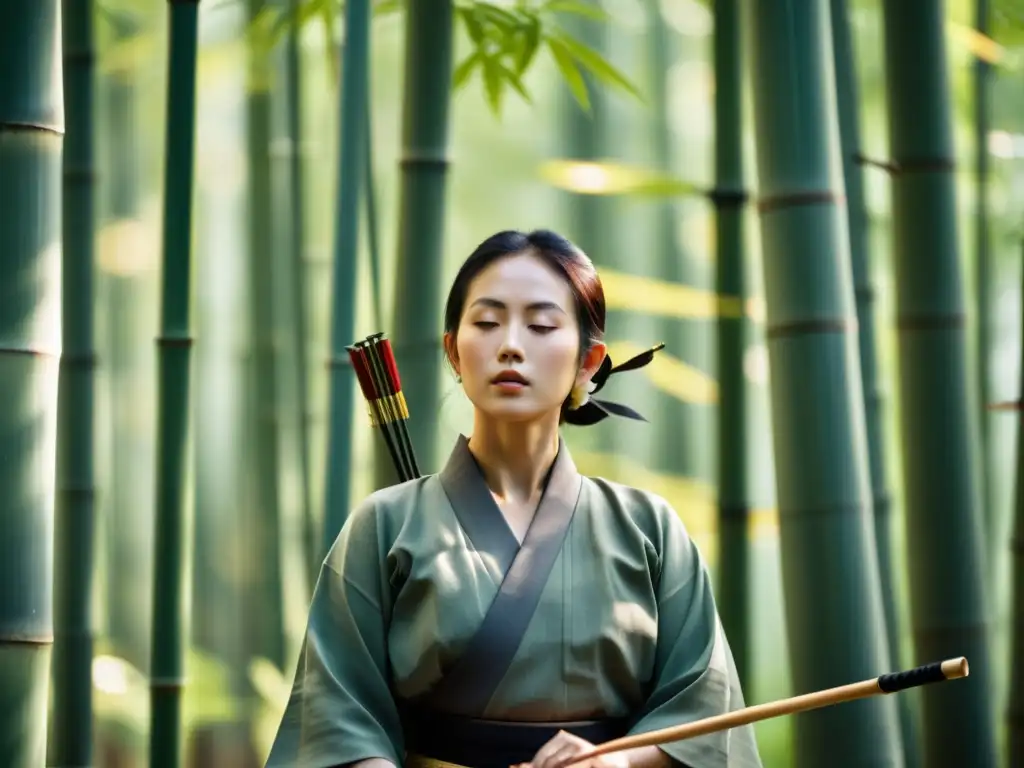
[(479, 515)]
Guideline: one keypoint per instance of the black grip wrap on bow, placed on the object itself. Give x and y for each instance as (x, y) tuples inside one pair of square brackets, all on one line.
[(595, 410), (901, 681)]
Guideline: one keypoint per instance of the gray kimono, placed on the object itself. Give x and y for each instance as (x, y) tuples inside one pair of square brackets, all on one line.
[(428, 599)]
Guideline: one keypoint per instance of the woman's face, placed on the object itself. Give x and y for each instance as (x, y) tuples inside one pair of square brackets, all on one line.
[(518, 342)]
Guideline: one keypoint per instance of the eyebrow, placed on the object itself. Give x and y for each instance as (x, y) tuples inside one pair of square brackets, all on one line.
[(533, 306)]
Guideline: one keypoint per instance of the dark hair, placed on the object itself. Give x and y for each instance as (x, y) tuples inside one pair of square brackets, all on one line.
[(555, 251)]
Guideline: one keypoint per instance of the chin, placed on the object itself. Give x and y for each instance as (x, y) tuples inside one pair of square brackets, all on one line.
[(513, 412)]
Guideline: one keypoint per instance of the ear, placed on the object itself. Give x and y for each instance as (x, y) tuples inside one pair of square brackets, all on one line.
[(452, 351), (591, 362)]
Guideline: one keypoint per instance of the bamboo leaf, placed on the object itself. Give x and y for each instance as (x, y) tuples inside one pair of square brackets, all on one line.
[(576, 7), (606, 178), (567, 66), (596, 64), (531, 43), (465, 69), (515, 82), (385, 7), (500, 17), (492, 75), (473, 26)]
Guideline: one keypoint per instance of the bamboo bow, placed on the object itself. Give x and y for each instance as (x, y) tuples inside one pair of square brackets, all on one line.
[(950, 669)]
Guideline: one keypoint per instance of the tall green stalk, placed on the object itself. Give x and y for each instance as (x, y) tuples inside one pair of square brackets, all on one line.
[(944, 523), (1015, 711), (429, 29), (586, 138), (126, 343), (983, 284), (76, 491), (676, 441), (858, 225), (265, 614), (353, 101), (174, 345), (835, 624), (730, 197), (296, 265), (31, 136)]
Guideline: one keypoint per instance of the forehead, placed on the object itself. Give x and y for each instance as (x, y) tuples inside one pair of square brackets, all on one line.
[(521, 278)]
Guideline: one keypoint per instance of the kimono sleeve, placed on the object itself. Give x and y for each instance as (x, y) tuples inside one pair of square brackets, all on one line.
[(695, 675), (341, 708)]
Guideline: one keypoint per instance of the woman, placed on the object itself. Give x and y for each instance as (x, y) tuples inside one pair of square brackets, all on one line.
[(508, 610)]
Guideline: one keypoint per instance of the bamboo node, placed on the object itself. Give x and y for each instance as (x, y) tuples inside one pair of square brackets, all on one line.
[(950, 321), (729, 198), (793, 199), (811, 326), (17, 126), (175, 341)]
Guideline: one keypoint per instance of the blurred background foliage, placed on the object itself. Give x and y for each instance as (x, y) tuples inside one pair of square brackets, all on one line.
[(518, 79)]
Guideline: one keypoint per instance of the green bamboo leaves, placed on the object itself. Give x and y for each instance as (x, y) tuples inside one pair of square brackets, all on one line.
[(937, 421), (31, 138), (76, 495), (506, 39), (172, 532)]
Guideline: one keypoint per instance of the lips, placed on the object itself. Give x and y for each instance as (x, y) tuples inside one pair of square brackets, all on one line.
[(510, 377)]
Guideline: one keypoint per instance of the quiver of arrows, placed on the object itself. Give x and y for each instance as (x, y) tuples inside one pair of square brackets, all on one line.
[(377, 372)]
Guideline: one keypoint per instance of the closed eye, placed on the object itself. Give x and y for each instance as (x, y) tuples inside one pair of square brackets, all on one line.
[(542, 328), (485, 324)]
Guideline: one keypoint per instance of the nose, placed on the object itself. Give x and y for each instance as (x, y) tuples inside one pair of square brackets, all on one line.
[(511, 349)]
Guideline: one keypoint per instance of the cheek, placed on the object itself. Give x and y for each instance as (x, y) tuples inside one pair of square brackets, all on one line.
[(471, 352), (562, 357)]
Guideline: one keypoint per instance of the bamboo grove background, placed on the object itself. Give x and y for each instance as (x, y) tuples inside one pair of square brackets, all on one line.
[(856, 499)]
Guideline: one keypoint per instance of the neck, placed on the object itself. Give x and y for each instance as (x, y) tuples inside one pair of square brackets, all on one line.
[(514, 458)]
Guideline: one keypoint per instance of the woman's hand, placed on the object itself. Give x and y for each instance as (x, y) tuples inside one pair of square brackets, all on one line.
[(565, 746)]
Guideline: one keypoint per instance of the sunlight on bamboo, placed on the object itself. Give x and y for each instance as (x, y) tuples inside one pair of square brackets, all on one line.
[(660, 297)]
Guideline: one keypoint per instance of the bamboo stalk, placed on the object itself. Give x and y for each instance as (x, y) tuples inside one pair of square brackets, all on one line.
[(372, 227), (297, 245), (429, 28), (858, 226), (31, 138), (1015, 709), (821, 464), (951, 669), (126, 340), (982, 282), (938, 420), (353, 99), (76, 482), (730, 197), (171, 553), (265, 614), (593, 221)]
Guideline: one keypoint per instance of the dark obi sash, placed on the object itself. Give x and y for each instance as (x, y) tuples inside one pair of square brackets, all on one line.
[(475, 743)]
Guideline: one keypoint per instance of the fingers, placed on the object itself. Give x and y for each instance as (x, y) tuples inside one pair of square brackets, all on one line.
[(562, 747)]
